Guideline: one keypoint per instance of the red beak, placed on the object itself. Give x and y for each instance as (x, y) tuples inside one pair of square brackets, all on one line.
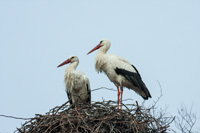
[(95, 48), (65, 62)]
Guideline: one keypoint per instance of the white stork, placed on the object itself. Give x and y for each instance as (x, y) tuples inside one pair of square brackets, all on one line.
[(119, 71), (76, 82)]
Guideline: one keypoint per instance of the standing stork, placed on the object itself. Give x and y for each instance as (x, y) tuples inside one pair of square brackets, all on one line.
[(119, 71), (76, 82)]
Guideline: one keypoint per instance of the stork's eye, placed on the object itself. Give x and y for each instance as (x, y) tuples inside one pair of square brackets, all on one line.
[(72, 57), (101, 42)]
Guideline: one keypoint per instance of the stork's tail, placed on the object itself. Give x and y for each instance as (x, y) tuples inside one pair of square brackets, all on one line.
[(146, 92)]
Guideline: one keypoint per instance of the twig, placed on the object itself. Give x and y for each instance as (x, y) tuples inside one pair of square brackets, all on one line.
[(111, 89), (13, 117)]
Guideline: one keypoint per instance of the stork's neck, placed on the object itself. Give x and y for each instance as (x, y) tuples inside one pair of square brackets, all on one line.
[(100, 60), (72, 66), (100, 56), (104, 49)]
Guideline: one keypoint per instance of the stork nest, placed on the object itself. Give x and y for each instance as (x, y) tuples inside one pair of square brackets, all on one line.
[(99, 117)]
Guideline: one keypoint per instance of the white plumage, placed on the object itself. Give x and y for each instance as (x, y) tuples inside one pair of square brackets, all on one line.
[(119, 71), (76, 83)]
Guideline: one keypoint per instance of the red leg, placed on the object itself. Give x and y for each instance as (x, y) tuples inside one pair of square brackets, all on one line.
[(121, 87), (118, 94), (121, 99)]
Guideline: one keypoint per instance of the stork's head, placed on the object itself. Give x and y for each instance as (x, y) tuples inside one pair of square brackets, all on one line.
[(104, 45), (71, 59)]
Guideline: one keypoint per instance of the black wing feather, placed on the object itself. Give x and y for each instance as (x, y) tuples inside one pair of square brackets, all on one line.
[(89, 95), (135, 79), (69, 97)]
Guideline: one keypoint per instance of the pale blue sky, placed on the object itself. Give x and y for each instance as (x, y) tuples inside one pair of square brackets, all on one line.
[(161, 38)]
